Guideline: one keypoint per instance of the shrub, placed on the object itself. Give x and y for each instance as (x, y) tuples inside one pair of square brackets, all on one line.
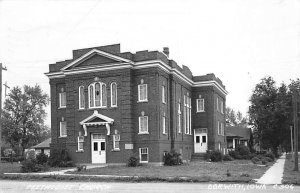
[(270, 155), (227, 158), (60, 158), (30, 154), (42, 158), (234, 154), (214, 156), (172, 158), (242, 150), (255, 160), (29, 165), (252, 155), (133, 162), (268, 159)]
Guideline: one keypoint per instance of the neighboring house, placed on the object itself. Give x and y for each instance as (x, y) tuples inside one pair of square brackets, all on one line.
[(43, 147), (107, 106), (237, 135)]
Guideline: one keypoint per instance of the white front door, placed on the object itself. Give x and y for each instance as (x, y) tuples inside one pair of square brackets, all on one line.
[(98, 148), (200, 142)]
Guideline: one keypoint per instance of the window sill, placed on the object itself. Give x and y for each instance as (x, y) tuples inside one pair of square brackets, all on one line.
[(81, 109), (61, 107), (79, 151), (97, 108), (116, 150), (200, 112), (145, 101), (114, 107), (143, 162), (165, 133), (62, 136), (143, 133)]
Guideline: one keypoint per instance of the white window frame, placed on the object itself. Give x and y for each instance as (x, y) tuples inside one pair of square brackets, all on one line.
[(199, 103), (80, 139), (222, 129), (111, 94), (164, 96), (185, 115), (218, 110), (140, 154), (61, 96), (179, 118), (140, 129), (79, 94), (222, 104), (190, 115), (60, 128), (164, 122), (139, 93), (102, 99), (116, 138), (219, 128)]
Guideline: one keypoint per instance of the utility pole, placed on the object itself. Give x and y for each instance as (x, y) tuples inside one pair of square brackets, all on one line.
[(295, 109), (6, 87), (292, 144), (1, 68)]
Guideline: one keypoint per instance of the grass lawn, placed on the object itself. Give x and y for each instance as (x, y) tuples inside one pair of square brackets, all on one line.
[(290, 176), (7, 167), (240, 171)]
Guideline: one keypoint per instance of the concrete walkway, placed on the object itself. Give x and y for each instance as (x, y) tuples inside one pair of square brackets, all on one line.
[(274, 174)]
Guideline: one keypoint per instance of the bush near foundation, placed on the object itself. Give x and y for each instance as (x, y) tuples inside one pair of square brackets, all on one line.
[(133, 162), (214, 156), (172, 158), (60, 158)]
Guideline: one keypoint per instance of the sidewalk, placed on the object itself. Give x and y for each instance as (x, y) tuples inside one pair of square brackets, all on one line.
[(274, 174)]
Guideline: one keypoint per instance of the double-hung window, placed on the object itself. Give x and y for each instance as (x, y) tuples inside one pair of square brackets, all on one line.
[(62, 100), (80, 141), (164, 123), (81, 97), (116, 142), (164, 95), (222, 106), (63, 129), (187, 115), (143, 153), (143, 124), (219, 128), (200, 105), (113, 94), (97, 95), (179, 118), (142, 93)]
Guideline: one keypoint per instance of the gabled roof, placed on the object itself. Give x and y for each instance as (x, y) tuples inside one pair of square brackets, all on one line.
[(92, 53), (97, 119), (44, 144), (242, 132)]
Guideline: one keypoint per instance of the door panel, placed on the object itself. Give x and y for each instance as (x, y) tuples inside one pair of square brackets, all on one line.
[(200, 142), (98, 148)]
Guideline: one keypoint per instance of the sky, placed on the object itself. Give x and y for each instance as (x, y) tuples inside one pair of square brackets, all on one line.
[(241, 42)]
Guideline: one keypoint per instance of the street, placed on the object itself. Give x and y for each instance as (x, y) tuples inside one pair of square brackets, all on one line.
[(9, 186)]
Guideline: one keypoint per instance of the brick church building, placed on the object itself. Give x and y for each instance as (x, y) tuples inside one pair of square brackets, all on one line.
[(108, 105)]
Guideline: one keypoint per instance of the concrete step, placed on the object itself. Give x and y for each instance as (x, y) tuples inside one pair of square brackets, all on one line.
[(198, 156)]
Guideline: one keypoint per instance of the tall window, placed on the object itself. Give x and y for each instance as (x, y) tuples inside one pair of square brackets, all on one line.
[(219, 128), (164, 95), (80, 141), (222, 106), (222, 129), (143, 123), (63, 128), (81, 97), (143, 154), (218, 107), (113, 94), (142, 92), (62, 100), (97, 95), (116, 142), (179, 118), (187, 115), (164, 123), (200, 105)]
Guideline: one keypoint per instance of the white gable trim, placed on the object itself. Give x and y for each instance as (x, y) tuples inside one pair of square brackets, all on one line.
[(95, 51), (107, 121)]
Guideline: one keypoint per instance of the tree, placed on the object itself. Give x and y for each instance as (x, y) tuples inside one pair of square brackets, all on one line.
[(235, 119), (23, 117), (270, 112)]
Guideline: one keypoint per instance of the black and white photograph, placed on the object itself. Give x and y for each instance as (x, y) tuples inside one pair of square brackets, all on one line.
[(152, 96)]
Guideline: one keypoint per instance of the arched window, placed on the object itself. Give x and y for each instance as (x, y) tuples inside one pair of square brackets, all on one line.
[(97, 95), (81, 97), (113, 94)]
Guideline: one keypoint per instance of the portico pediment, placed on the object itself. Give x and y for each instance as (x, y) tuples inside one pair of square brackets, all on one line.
[(97, 119)]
